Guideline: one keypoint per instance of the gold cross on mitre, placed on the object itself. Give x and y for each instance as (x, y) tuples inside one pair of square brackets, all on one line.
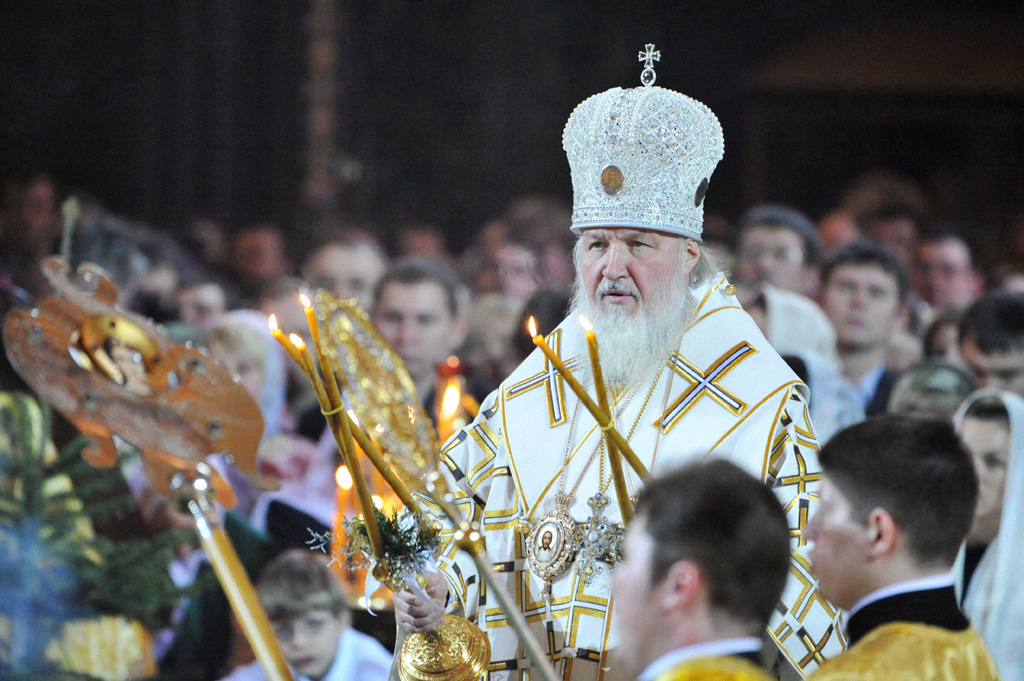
[(648, 58)]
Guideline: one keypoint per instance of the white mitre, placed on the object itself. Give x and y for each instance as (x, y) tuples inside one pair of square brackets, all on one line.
[(642, 157)]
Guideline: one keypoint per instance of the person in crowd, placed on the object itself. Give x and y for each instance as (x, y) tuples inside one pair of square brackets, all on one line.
[(242, 342), (201, 299), (346, 269), (778, 246), (945, 271), (941, 337), (991, 425), (896, 226), (705, 560), (419, 312), (688, 373), (932, 389), (992, 341), (543, 223), (34, 234), (306, 606), (420, 239), (838, 228), (897, 500), (258, 258), (864, 293)]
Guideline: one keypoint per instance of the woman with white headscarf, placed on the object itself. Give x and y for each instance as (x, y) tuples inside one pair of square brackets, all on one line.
[(988, 569)]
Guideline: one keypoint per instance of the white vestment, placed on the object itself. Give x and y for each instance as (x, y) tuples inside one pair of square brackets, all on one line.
[(724, 393)]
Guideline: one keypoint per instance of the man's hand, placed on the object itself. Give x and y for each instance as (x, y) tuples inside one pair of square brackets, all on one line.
[(417, 617)]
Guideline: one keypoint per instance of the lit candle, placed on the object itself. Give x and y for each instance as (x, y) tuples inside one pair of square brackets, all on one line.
[(314, 326), (344, 499), (275, 331), (603, 418), (625, 507), (451, 400)]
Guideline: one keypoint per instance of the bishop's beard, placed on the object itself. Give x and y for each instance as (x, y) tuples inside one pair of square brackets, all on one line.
[(633, 347)]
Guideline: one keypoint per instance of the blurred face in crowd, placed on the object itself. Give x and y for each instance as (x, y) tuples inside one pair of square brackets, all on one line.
[(246, 370), (944, 276), (770, 254), (999, 370), (309, 643), (39, 217), (863, 303), (346, 271), (896, 233), (417, 322), (841, 546), (199, 306), (517, 269), (259, 255), (988, 441), (837, 228)]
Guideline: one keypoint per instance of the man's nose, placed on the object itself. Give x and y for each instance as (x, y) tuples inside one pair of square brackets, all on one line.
[(616, 263)]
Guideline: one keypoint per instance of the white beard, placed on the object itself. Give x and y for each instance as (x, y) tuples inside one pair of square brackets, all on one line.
[(633, 347)]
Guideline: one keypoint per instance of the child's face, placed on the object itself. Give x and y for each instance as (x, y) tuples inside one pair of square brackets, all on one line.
[(310, 642)]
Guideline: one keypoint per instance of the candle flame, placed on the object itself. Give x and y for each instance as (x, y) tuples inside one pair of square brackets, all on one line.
[(297, 341), (352, 415), (531, 324), (585, 323), (343, 477), (378, 501), (450, 401), (272, 323), (304, 299), (380, 430)]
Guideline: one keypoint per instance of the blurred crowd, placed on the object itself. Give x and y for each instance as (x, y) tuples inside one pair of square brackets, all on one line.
[(877, 306)]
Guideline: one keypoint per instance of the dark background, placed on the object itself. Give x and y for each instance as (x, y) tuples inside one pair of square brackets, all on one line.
[(164, 110)]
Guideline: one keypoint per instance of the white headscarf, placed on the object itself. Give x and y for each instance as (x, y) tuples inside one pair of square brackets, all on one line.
[(995, 598)]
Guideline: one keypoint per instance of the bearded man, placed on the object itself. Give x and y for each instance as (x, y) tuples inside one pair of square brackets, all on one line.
[(688, 375)]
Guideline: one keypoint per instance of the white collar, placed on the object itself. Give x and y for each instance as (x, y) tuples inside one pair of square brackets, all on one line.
[(726, 646), (920, 584)]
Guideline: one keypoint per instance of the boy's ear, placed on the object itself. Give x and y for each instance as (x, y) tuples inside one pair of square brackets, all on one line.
[(886, 533), (682, 585)]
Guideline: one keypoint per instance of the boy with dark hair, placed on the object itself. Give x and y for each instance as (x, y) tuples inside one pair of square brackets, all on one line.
[(305, 603), (992, 341), (705, 562), (420, 309), (897, 501), (778, 245), (864, 293)]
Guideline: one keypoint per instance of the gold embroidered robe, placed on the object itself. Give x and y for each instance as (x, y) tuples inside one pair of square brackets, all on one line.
[(724, 392), (714, 669), (908, 651)]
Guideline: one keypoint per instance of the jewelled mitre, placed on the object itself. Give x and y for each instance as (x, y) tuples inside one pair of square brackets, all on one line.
[(642, 157)]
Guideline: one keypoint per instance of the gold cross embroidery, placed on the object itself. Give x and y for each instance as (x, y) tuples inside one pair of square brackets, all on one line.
[(553, 383), (705, 383)]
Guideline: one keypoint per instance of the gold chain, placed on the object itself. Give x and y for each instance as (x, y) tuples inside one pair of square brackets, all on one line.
[(599, 451)]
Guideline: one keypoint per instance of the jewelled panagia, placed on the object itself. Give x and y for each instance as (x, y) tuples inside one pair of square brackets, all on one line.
[(724, 392)]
